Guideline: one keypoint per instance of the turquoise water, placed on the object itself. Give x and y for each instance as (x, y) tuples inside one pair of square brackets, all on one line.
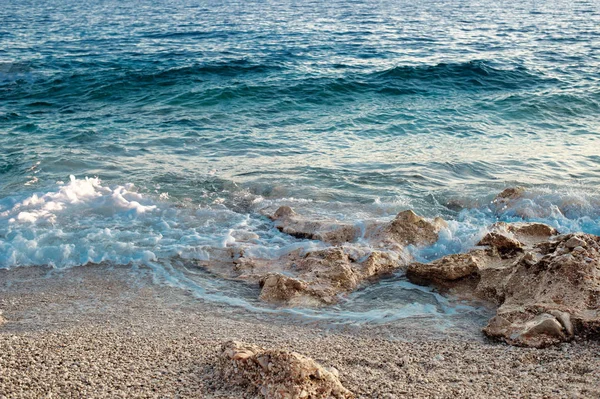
[(188, 117)]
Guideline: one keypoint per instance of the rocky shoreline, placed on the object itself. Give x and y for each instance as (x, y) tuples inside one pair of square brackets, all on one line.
[(546, 285), (105, 331)]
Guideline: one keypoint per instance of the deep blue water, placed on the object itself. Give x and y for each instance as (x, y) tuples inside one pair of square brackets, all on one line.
[(195, 114)]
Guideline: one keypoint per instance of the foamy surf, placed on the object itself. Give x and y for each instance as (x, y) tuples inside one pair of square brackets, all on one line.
[(83, 222)]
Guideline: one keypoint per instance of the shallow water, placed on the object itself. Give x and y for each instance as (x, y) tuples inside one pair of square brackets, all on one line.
[(180, 120)]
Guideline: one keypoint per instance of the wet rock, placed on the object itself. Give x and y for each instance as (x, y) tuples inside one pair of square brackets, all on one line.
[(330, 231), (510, 193), (501, 242), (278, 374), (244, 236), (510, 199), (446, 269), (319, 276), (283, 212), (513, 237), (528, 231), (408, 228), (279, 288), (547, 292)]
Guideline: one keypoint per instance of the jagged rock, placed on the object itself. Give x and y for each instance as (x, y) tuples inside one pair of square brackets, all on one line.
[(562, 280), (575, 242), (546, 292), (526, 233), (320, 275), (407, 228), (446, 269), (508, 238), (283, 212), (529, 231), (279, 374), (330, 231), (317, 277), (510, 193), (540, 331), (503, 243), (279, 288), (509, 200)]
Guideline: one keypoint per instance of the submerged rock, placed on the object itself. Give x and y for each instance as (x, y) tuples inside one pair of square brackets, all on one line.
[(547, 291), (279, 374)]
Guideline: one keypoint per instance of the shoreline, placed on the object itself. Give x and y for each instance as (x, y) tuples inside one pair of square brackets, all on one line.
[(100, 331)]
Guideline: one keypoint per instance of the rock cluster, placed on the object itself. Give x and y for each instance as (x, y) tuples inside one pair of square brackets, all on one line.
[(278, 374), (407, 228), (547, 286), (317, 277), (347, 257), (320, 275)]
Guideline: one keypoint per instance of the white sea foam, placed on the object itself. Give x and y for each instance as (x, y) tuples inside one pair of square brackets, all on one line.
[(83, 222)]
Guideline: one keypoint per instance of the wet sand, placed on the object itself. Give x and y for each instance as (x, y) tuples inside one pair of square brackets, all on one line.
[(98, 332)]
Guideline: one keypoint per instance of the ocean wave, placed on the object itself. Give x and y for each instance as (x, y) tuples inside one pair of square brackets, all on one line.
[(476, 75), (246, 79)]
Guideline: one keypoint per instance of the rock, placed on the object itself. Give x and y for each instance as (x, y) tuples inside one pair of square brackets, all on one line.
[(513, 237), (547, 292), (501, 242), (541, 331), (244, 236), (330, 231), (283, 212), (319, 276), (511, 193), (508, 198), (278, 374), (528, 231), (565, 319), (446, 269), (2, 319), (279, 288), (408, 228), (575, 242)]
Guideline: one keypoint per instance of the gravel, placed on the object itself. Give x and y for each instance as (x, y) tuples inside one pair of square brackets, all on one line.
[(102, 332)]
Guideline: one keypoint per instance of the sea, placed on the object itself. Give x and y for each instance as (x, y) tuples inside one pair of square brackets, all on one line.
[(151, 134)]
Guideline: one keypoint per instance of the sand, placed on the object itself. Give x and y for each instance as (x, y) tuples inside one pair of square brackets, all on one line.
[(102, 332)]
